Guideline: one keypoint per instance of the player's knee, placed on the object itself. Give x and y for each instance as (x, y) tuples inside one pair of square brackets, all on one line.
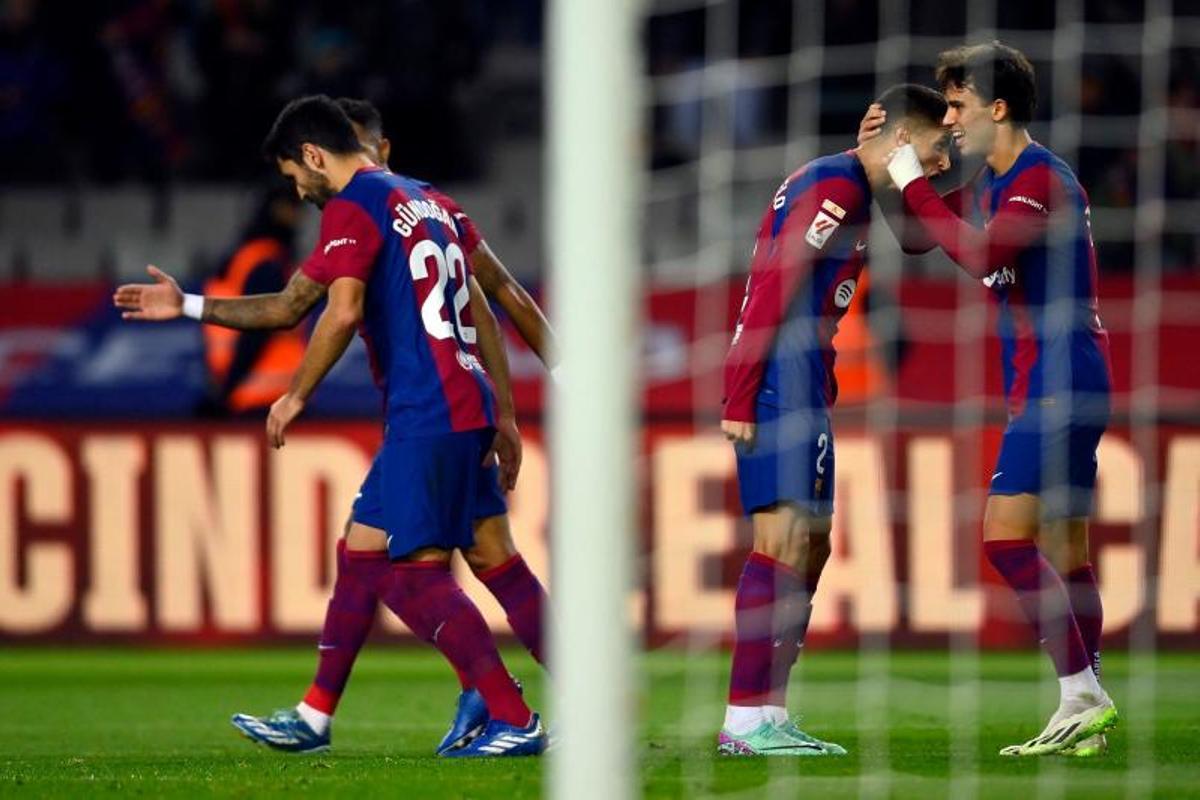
[(493, 545), (480, 559), (1008, 517), (428, 555), (819, 549), (364, 537), (781, 548)]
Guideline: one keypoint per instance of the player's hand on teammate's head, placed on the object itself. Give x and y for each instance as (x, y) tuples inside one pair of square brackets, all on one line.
[(282, 412), (738, 432), (872, 123), (506, 448), (158, 301)]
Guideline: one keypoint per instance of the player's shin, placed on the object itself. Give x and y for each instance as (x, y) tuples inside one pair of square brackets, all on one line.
[(426, 598), (1084, 592), (523, 599), (348, 620), (792, 613), (770, 615), (1044, 601)]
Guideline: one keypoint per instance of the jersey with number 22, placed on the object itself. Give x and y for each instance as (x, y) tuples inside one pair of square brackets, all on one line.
[(409, 244)]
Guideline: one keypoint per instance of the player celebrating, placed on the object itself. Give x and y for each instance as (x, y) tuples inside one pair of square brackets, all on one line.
[(779, 386), (1035, 253), (391, 257)]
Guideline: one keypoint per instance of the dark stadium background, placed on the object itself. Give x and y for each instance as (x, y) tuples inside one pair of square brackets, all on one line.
[(160, 567)]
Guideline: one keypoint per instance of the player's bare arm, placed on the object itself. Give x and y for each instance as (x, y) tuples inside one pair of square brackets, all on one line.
[(507, 444), (332, 335), (499, 284), (266, 311), (163, 300)]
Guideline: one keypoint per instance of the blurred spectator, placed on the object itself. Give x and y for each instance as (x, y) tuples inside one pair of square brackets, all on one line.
[(32, 87), (243, 49), (250, 370), (156, 90)]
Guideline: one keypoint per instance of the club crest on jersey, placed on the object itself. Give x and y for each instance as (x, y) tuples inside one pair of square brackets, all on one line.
[(820, 230), (468, 362), (844, 293), (1001, 277)]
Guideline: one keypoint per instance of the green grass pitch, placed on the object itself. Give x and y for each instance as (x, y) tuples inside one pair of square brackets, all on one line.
[(100, 722)]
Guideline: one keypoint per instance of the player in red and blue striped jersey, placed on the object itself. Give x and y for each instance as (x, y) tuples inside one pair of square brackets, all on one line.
[(779, 387), (1022, 227), (391, 259), (493, 557)]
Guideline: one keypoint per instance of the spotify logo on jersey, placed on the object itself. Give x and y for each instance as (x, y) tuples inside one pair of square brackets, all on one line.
[(844, 293)]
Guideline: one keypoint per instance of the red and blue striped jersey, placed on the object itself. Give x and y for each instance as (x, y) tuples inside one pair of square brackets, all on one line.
[(808, 255), (409, 244), (1031, 245)]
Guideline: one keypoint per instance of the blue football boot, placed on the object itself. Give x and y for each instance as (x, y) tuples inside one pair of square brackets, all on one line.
[(470, 717), (501, 739), (284, 730)]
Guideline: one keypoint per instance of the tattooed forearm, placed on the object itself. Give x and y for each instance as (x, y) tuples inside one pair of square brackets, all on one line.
[(265, 311)]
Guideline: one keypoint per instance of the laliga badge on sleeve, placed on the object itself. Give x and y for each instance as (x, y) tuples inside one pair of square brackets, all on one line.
[(820, 230)]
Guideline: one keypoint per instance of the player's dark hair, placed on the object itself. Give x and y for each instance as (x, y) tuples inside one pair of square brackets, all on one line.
[(317, 120), (910, 101), (993, 71), (363, 113)]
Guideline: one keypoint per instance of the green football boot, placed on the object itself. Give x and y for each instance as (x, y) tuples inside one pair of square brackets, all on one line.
[(766, 740), (791, 729)]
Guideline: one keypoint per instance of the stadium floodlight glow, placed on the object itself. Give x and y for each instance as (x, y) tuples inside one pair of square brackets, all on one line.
[(593, 168)]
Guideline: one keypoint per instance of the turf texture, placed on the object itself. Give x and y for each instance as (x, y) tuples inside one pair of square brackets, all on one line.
[(139, 722)]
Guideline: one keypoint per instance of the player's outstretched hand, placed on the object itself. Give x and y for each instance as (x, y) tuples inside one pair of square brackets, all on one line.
[(738, 432), (506, 447), (158, 301), (283, 411), (872, 123)]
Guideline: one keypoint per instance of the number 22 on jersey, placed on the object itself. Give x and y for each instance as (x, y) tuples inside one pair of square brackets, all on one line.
[(449, 264)]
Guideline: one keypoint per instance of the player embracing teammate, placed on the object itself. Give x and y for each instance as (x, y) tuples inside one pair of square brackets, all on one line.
[(1021, 226)]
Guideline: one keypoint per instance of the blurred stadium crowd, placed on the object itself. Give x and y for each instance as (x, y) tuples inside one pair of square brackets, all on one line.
[(155, 93), (154, 90)]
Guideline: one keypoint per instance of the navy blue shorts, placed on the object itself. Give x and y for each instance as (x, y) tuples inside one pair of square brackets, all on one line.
[(1054, 459), (428, 491), (791, 461)]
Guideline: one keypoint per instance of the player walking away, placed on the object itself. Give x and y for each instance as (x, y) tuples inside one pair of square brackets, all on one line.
[(1035, 253), (493, 558), (495, 280), (779, 386), (391, 259)]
